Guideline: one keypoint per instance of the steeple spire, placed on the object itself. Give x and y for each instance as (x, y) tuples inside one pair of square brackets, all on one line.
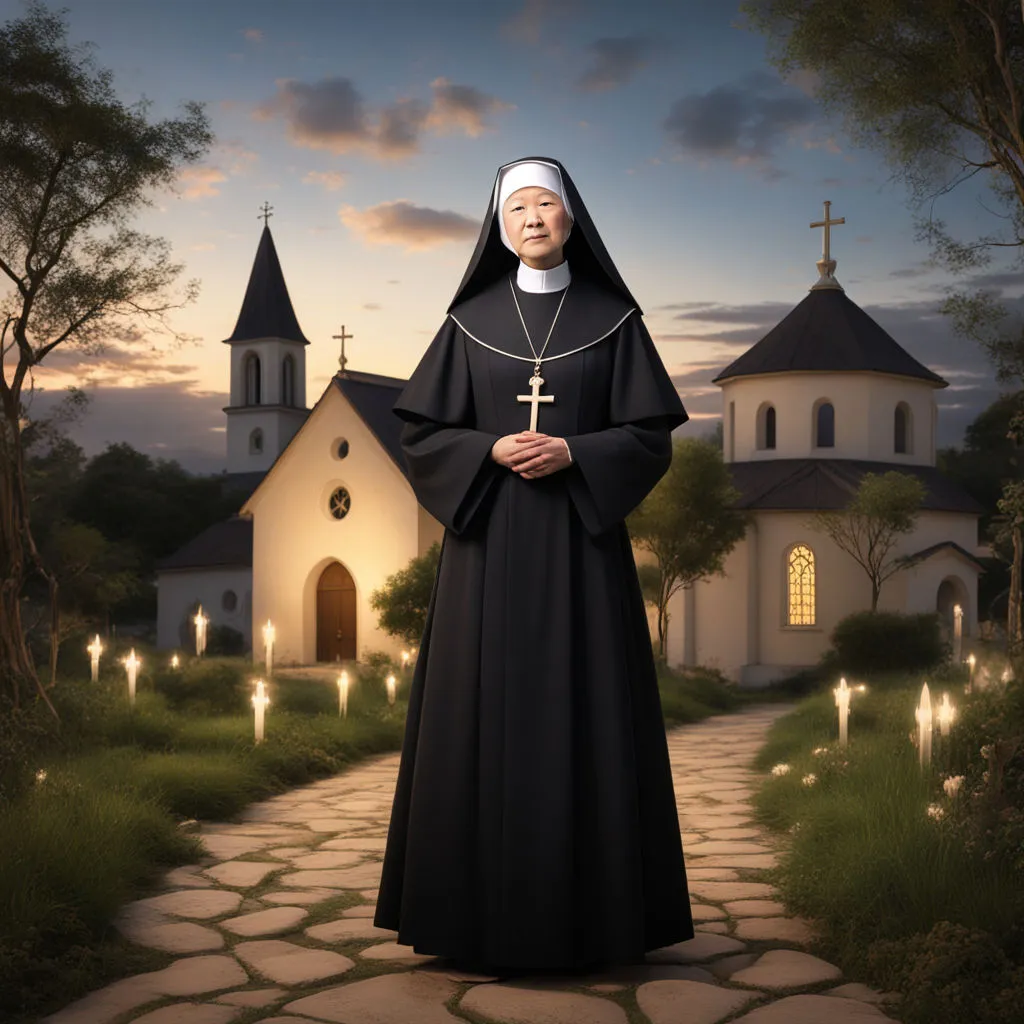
[(267, 309), (826, 265)]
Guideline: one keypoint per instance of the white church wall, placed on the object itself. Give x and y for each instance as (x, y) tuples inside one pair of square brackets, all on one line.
[(178, 590), (429, 530), (295, 537), (864, 409), (721, 615)]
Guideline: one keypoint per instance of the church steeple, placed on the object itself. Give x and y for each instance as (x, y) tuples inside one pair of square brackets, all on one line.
[(267, 309), (268, 367)]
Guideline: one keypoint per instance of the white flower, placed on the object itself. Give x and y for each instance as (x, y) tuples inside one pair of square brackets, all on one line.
[(780, 769), (795, 827), (41, 775), (936, 812), (818, 751), (810, 779), (984, 777), (986, 751), (952, 785)]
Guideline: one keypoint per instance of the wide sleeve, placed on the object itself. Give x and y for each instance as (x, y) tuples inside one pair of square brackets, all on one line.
[(449, 461), (614, 469)]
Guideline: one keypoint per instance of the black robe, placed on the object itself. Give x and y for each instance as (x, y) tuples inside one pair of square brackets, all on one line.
[(534, 823)]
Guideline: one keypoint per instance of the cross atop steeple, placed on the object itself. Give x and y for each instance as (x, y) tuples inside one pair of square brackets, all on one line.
[(343, 337), (265, 213), (826, 265)]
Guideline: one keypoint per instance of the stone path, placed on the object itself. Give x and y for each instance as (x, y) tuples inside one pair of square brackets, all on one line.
[(275, 925)]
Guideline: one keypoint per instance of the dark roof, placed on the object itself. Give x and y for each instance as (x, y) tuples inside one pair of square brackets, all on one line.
[(810, 484), (934, 549), (374, 397), (227, 544), (266, 309), (828, 332)]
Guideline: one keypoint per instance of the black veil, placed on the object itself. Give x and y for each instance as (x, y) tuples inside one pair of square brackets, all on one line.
[(584, 250)]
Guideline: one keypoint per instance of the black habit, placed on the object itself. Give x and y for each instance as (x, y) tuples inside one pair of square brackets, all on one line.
[(534, 823)]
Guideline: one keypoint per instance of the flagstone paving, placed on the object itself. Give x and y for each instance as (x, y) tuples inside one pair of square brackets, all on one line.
[(286, 898)]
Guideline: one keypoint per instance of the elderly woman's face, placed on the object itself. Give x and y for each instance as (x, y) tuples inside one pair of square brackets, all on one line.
[(537, 225)]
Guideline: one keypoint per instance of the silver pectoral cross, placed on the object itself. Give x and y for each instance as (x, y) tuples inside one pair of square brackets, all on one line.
[(534, 398)]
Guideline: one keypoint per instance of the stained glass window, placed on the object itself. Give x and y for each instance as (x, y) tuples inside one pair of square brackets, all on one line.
[(800, 586)]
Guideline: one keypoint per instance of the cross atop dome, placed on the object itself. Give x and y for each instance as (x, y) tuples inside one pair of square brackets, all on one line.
[(826, 265)]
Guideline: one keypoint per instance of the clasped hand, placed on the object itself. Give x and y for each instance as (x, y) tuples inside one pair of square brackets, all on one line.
[(531, 454)]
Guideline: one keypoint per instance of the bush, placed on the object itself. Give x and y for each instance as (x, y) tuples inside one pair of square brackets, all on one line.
[(224, 642), (206, 686), (870, 642)]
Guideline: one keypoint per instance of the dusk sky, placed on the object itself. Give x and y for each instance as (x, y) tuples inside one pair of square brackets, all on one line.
[(375, 129)]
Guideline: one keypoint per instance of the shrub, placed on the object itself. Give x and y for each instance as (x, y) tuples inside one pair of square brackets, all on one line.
[(224, 642), (209, 686), (870, 642)]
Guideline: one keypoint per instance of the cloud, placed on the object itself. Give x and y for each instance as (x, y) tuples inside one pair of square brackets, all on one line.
[(328, 114), (201, 182), (165, 420), (415, 228), (534, 20), (252, 35), (614, 62), (203, 247), (329, 180), (462, 107), (331, 114), (237, 157), (742, 122), (372, 306)]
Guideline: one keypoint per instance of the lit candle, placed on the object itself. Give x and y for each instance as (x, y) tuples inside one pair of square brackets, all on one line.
[(946, 715), (405, 660), (842, 693), (201, 621), (971, 661), (260, 700), (269, 635), (923, 714), (343, 694), (391, 687), (175, 662), (95, 649), (132, 664), (958, 632)]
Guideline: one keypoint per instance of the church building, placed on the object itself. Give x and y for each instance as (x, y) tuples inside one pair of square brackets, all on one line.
[(327, 513), (823, 398)]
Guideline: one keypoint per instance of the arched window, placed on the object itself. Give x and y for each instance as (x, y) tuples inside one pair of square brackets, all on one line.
[(253, 383), (824, 425), (766, 426), (901, 429), (256, 442), (288, 381), (800, 586)]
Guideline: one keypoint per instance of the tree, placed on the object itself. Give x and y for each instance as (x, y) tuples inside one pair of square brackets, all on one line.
[(77, 164), (883, 508), (1011, 533), (937, 86), (689, 522), (403, 600)]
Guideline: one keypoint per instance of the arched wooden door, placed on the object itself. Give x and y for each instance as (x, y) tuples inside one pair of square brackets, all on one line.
[(335, 615)]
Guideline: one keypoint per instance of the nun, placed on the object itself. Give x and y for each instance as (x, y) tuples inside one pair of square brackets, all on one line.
[(534, 823)]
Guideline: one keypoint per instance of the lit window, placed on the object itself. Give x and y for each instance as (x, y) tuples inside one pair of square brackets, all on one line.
[(800, 586)]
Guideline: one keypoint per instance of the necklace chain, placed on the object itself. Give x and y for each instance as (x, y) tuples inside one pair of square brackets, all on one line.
[(538, 359)]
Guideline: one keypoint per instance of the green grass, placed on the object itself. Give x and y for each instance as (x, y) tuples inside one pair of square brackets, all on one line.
[(863, 858), (103, 824)]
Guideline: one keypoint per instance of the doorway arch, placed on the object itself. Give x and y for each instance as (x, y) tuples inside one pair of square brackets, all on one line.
[(335, 614)]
